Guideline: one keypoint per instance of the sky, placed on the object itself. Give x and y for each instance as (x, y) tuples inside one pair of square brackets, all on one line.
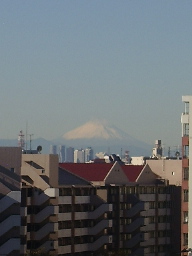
[(64, 63)]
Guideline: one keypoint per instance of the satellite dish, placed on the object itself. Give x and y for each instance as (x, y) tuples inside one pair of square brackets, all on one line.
[(39, 149)]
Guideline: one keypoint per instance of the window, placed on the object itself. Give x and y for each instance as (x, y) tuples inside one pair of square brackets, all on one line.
[(152, 205), (164, 218), (186, 108), (161, 248), (152, 234), (152, 248), (65, 192), (185, 217), (161, 233), (143, 190), (185, 129), (186, 151), (152, 219), (186, 173), (185, 195), (161, 190), (125, 237), (162, 204), (150, 190), (185, 239)]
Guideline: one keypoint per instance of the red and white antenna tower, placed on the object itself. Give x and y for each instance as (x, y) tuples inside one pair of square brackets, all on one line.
[(21, 140), (127, 158)]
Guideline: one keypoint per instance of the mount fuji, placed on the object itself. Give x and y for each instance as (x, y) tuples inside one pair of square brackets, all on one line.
[(103, 137)]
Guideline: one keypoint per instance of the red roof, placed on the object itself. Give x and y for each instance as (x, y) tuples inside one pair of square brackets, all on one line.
[(89, 172), (132, 171)]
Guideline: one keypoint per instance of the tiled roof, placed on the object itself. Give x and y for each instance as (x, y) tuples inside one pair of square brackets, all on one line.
[(89, 172), (132, 171)]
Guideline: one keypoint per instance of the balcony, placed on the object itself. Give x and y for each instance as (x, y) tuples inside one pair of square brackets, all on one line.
[(82, 199), (100, 210), (81, 231), (46, 230), (135, 240), (40, 198), (49, 245), (64, 216), (64, 232), (134, 225), (65, 200), (162, 226), (81, 247), (148, 242), (46, 212), (164, 197), (141, 206), (100, 242), (100, 226), (184, 118), (64, 249), (147, 197), (148, 213), (87, 215), (164, 211), (149, 227)]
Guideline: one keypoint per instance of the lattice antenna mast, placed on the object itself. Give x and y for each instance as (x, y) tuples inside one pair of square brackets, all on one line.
[(21, 140), (30, 140)]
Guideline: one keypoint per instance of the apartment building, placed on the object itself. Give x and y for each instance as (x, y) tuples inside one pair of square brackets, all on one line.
[(186, 203), (85, 209), (145, 219), (61, 213), (10, 199)]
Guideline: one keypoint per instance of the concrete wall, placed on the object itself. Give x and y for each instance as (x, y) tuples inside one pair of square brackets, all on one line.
[(167, 169), (116, 175), (10, 157), (147, 176), (49, 164)]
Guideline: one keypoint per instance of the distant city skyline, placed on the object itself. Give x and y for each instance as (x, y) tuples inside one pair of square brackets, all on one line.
[(64, 63)]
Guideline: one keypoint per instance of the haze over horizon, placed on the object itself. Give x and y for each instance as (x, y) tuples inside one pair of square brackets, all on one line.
[(64, 63)]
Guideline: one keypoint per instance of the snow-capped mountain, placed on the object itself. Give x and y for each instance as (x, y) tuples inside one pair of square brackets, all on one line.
[(101, 136), (92, 130)]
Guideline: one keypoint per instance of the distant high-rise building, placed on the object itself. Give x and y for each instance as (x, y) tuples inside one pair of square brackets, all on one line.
[(69, 155), (61, 153), (53, 149), (88, 154), (157, 150), (79, 156)]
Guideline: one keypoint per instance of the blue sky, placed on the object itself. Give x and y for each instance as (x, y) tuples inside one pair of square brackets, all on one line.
[(63, 63)]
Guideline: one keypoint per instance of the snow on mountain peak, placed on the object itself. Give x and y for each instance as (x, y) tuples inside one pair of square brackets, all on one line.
[(93, 129)]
